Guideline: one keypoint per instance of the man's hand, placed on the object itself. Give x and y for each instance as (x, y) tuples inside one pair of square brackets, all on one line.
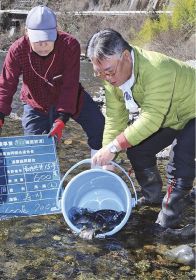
[(57, 129), (103, 157)]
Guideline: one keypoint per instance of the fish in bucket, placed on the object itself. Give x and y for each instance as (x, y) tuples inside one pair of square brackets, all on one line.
[(96, 202)]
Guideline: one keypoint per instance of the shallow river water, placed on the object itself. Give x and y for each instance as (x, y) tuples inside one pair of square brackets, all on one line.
[(45, 248)]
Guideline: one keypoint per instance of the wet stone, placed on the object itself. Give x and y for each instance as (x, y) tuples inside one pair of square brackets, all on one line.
[(157, 274), (56, 237), (143, 265), (182, 254), (185, 268), (37, 230)]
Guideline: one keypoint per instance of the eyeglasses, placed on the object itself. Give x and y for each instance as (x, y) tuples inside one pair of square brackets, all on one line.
[(109, 74)]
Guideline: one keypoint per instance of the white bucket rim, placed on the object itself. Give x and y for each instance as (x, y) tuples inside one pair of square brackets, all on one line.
[(130, 203)]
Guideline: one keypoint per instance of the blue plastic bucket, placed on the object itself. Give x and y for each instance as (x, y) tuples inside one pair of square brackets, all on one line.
[(96, 189)]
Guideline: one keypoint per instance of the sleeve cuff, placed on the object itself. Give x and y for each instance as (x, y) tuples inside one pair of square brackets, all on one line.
[(64, 116), (124, 144)]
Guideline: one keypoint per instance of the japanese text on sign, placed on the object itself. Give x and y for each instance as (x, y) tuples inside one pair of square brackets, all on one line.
[(29, 176)]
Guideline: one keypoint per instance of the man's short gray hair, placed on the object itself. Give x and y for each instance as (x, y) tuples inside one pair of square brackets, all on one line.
[(105, 43)]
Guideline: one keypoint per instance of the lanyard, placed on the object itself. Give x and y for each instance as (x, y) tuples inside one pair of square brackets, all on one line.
[(42, 77)]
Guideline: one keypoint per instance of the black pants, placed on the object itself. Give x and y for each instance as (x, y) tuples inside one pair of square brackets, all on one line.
[(182, 155)]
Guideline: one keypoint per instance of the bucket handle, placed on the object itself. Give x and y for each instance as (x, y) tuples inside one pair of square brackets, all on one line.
[(84, 161)]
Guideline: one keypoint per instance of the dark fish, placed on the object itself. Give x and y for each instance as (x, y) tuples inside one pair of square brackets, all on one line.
[(92, 223)]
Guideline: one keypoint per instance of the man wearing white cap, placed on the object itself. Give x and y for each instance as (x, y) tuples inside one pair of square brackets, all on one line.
[(49, 62)]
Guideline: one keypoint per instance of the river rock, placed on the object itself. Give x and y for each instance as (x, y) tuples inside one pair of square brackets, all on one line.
[(183, 254)]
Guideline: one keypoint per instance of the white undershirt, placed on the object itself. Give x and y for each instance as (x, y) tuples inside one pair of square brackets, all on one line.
[(127, 93)]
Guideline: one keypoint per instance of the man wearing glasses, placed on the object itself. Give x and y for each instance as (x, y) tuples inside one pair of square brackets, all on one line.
[(162, 89)]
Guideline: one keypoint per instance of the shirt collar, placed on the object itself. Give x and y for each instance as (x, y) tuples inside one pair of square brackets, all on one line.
[(129, 83)]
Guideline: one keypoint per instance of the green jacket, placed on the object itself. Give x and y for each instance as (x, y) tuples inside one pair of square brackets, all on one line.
[(164, 89)]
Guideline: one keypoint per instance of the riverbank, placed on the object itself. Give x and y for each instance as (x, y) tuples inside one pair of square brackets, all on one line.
[(83, 27), (178, 43), (44, 247)]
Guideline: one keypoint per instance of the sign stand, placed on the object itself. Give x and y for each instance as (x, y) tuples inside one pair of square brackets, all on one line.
[(29, 176)]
